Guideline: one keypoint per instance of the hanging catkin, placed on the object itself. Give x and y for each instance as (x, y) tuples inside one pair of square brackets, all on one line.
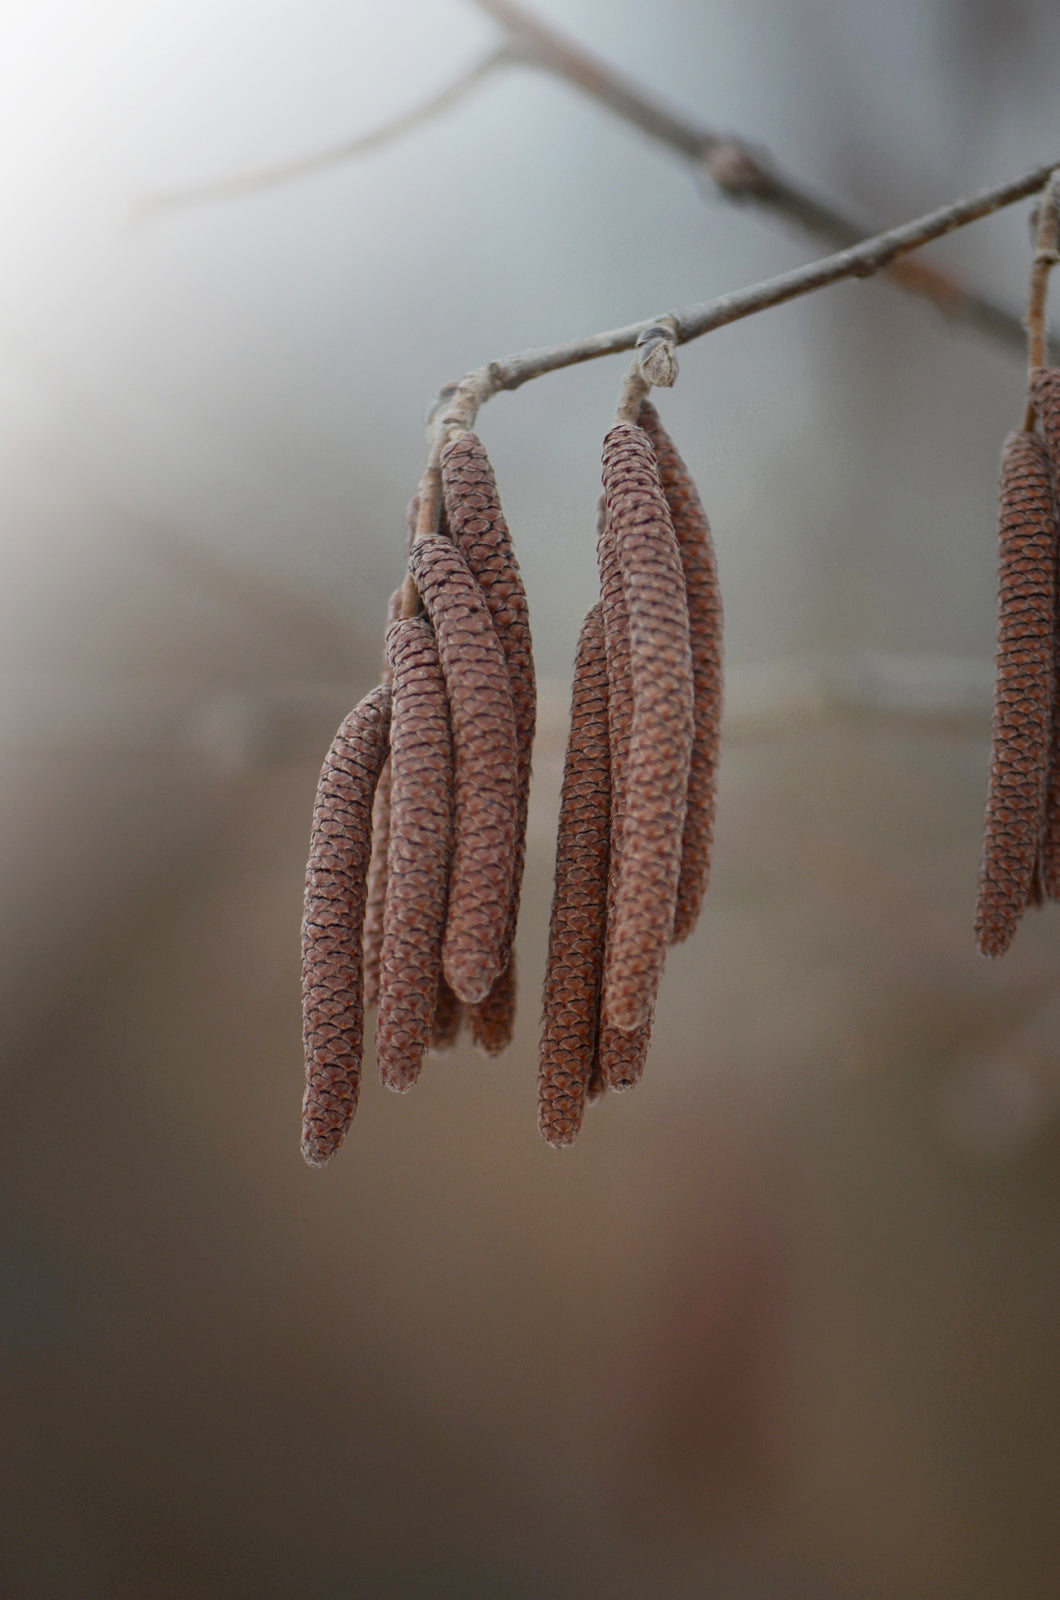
[(477, 526), (657, 771), (485, 784), (421, 831), (1023, 692), (700, 567), (579, 904), (332, 971), (620, 1057), (373, 911), (1045, 394), (448, 1015)]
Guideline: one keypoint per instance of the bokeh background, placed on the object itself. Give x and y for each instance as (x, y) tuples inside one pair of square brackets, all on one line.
[(784, 1321)]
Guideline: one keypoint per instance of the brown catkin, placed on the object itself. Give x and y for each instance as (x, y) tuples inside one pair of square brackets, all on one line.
[(421, 831), (332, 970), (373, 911), (579, 903), (478, 528), (1045, 393), (700, 567), (485, 781), (655, 780), (1023, 692), (448, 1015)]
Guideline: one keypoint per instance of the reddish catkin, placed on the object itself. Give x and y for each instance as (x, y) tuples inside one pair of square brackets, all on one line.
[(1023, 692), (620, 1057), (421, 831), (485, 783), (448, 1015), (656, 775), (1045, 393), (332, 971), (579, 903), (700, 567), (477, 526), (373, 911)]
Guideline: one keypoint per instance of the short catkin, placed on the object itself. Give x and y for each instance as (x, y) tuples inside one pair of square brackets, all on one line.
[(485, 767), (478, 528), (1023, 692), (660, 744), (1045, 394), (421, 833), (332, 969), (700, 566), (579, 904)]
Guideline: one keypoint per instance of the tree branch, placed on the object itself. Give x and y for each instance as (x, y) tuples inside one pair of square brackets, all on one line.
[(459, 403)]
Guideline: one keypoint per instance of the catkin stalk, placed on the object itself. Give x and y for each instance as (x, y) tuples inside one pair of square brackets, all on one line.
[(332, 967)]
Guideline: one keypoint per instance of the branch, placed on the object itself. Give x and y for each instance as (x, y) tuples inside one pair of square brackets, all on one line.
[(458, 404)]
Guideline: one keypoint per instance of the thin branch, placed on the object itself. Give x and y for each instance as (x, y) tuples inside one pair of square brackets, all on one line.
[(459, 403), (741, 171), (335, 155), (1046, 257)]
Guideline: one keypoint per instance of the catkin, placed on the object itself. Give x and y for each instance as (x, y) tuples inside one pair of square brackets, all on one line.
[(1045, 394), (373, 911), (700, 567), (485, 781), (657, 771), (579, 904), (478, 528), (448, 1015), (332, 970), (421, 828), (1023, 692)]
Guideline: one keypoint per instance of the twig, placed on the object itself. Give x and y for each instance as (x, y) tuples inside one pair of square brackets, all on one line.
[(1046, 256), (458, 404), (334, 155)]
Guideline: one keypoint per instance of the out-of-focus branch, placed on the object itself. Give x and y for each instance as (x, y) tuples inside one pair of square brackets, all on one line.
[(458, 403), (334, 155), (740, 171)]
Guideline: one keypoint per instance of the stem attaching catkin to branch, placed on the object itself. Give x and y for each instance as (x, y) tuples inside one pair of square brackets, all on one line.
[(1023, 692), (421, 839), (579, 904), (700, 566), (332, 968), (478, 528), (655, 779), (486, 785)]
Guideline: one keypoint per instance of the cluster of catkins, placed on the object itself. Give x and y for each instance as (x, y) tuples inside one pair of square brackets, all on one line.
[(418, 840), (1021, 847)]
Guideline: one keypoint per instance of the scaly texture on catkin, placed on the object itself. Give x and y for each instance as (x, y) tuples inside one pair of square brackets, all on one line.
[(700, 567), (1045, 394), (373, 911), (332, 972), (655, 781), (478, 528), (579, 903), (485, 767), (421, 839), (1023, 692)]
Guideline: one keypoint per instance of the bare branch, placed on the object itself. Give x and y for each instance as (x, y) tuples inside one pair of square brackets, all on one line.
[(459, 403), (335, 155)]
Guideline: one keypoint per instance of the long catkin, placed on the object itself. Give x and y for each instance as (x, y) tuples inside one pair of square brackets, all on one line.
[(332, 969), (700, 567), (373, 911), (485, 782), (1045, 393), (660, 744), (620, 1057), (579, 904), (1023, 692), (421, 830), (478, 528)]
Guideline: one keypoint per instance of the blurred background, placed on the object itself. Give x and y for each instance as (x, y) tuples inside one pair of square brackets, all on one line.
[(784, 1321)]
